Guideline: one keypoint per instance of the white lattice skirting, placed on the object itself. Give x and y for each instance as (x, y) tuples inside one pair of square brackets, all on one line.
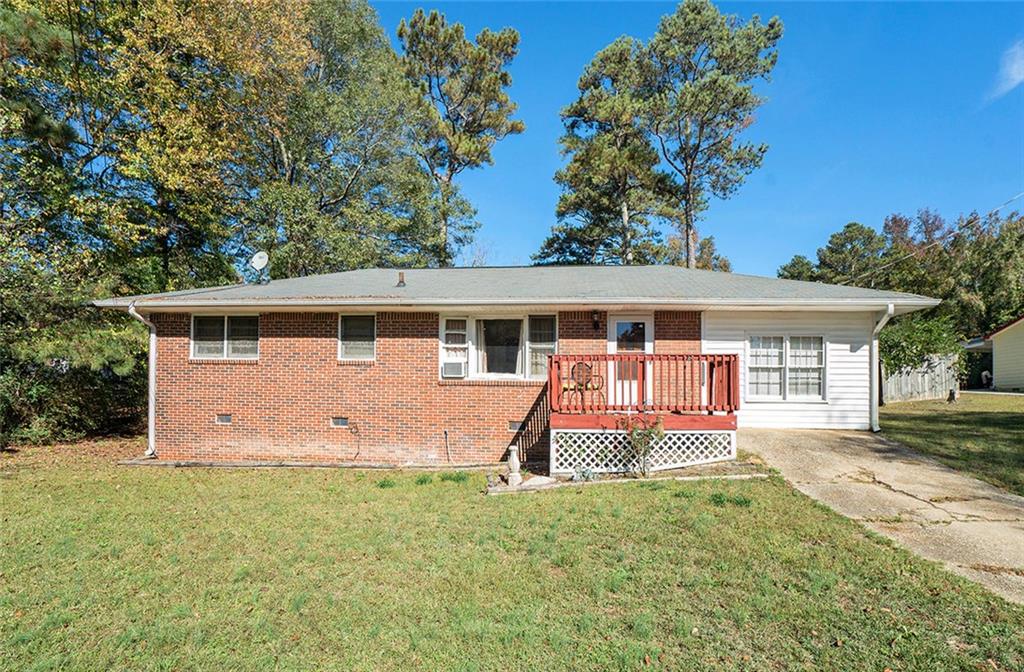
[(608, 451)]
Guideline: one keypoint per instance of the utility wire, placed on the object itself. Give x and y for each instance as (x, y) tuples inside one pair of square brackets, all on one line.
[(970, 221)]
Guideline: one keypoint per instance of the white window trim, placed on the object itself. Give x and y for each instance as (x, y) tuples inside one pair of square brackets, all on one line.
[(224, 341), (472, 347), (786, 397), (337, 335)]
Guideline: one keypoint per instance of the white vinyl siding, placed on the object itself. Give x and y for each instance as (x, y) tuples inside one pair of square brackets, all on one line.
[(225, 337), (845, 340), (1008, 358)]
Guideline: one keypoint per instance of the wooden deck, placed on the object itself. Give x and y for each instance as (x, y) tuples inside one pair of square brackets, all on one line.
[(688, 392), (694, 396)]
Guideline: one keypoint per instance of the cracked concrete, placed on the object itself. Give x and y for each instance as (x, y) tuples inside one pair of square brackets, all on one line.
[(973, 528)]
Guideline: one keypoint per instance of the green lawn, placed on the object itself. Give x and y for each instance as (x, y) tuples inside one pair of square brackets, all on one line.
[(107, 567), (982, 434)]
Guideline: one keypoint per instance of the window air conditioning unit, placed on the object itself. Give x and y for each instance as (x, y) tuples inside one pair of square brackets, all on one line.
[(453, 370)]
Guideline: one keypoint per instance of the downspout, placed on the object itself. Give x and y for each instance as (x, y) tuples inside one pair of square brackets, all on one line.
[(875, 381), (151, 405)]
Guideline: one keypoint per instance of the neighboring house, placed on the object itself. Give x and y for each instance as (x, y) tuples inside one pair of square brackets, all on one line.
[(435, 366), (1008, 356)]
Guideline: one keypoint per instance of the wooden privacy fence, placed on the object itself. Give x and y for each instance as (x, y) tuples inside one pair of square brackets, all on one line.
[(932, 380)]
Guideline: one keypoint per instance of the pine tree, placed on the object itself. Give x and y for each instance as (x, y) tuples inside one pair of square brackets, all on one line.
[(612, 188), (469, 110), (702, 66)]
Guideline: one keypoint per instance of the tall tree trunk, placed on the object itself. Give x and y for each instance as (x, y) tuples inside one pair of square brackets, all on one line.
[(689, 233), (164, 242), (627, 243), (444, 258)]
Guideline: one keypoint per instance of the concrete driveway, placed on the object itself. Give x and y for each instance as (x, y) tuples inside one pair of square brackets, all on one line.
[(973, 528)]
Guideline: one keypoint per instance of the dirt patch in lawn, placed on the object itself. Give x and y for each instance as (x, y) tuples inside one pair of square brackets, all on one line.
[(93, 452)]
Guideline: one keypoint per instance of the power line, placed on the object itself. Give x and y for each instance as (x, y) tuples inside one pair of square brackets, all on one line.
[(970, 221)]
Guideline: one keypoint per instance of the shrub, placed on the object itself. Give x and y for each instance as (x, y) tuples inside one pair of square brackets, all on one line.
[(424, 479), (455, 476), (386, 483), (643, 432)]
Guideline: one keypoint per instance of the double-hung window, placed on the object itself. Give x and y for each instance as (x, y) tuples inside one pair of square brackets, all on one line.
[(784, 367), (357, 336), (805, 371), (498, 347), (225, 336), (541, 344), (454, 347)]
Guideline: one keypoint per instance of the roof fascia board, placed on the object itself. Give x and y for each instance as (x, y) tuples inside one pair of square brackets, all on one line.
[(303, 305)]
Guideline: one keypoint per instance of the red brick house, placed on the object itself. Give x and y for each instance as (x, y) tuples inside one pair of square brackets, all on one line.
[(454, 366)]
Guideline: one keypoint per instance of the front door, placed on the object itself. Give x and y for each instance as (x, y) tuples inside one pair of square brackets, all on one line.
[(629, 335)]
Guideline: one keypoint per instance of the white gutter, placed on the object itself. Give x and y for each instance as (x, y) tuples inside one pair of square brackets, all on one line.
[(151, 405), (873, 359)]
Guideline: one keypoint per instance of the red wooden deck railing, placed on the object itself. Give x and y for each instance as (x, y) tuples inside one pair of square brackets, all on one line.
[(598, 384)]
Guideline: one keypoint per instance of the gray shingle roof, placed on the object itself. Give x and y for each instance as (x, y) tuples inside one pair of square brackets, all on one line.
[(525, 285)]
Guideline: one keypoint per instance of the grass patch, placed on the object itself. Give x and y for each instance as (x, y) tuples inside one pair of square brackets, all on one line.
[(722, 499), (307, 569), (424, 479), (455, 476), (982, 434), (386, 483)]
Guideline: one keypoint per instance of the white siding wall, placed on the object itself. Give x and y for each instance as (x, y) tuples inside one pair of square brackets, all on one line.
[(1008, 358), (847, 346)]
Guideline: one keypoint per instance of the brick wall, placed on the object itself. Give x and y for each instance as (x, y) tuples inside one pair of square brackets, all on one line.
[(398, 410), (676, 332)]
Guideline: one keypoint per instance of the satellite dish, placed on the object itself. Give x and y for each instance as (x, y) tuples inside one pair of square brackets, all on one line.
[(259, 260)]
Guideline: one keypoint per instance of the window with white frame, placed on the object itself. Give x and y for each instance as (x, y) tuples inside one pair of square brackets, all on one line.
[(454, 347), (225, 336), (805, 371), (786, 367), (542, 340), (497, 347), (357, 337)]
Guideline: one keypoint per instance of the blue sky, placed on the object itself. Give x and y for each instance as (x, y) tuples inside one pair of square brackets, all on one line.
[(872, 109)]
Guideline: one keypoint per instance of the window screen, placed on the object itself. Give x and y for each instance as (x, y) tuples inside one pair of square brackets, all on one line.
[(806, 366), (231, 336), (455, 349), (357, 337), (765, 369), (243, 336), (208, 336), (542, 343)]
